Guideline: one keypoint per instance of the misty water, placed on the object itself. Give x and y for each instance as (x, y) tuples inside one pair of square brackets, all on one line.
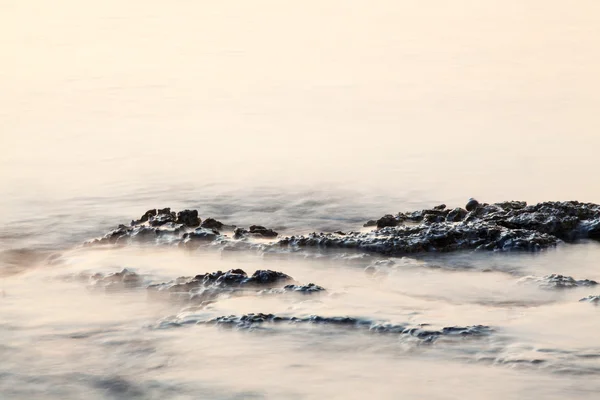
[(307, 117)]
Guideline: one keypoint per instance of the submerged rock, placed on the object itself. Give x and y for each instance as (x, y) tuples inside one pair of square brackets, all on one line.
[(251, 321), (556, 281), (592, 299), (300, 289), (199, 235), (209, 286), (124, 279)]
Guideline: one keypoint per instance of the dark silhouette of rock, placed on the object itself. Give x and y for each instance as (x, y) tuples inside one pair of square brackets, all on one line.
[(472, 204), (188, 218), (387, 220), (211, 223)]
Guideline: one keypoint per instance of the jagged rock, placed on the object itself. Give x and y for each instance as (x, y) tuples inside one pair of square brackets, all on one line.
[(556, 281), (199, 235), (147, 215), (211, 223), (219, 280), (267, 277), (505, 226), (254, 231), (251, 321), (387, 220), (456, 215), (370, 223), (500, 227), (262, 231), (188, 218)]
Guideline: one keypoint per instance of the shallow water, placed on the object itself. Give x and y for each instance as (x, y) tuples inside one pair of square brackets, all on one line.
[(309, 117)]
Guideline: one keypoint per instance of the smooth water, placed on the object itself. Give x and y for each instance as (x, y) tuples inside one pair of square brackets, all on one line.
[(305, 117)]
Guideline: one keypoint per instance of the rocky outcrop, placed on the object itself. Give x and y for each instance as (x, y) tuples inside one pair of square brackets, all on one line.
[(255, 231), (422, 332), (506, 226), (188, 218), (556, 281), (207, 287)]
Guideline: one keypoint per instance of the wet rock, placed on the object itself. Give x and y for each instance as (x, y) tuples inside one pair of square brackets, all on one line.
[(511, 205), (556, 281), (188, 218), (124, 279), (267, 277), (370, 223), (199, 235), (211, 285), (162, 219), (147, 215), (387, 220), (472, 204), (310, 288), (253, 321), (506, 226), (211, 223), (591, 299), (262, 231), (240, 233), (256, 231), (440, 207), (456, 215)]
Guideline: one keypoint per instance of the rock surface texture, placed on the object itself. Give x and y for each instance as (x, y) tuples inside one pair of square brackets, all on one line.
[(506, 226)]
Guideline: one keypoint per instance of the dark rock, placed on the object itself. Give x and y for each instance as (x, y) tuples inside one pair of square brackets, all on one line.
[(162, 219), (387, 220), (147, 215), (188, 218), (456, 215), (503, 226), (370, 223), (511, 205), (310, 288), (440, 207), (240, 233), (262, 231), (472, 204), (267, 277), (211, 223), (252, 321)]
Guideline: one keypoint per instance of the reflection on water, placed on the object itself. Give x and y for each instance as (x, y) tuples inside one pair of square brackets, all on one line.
[(310, 117)]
